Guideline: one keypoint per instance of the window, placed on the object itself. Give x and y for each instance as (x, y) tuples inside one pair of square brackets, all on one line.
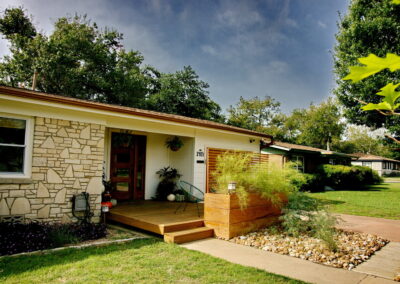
[(15, 146), (367, 164), (299, 162)]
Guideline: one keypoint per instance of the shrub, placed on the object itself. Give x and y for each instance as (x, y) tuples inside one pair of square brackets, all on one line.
[(348, 177), (305, 215), (308, 182), (168, 177), (269, 180), (16, 238)]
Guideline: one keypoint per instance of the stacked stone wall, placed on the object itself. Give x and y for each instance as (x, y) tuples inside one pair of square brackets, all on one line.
[(67, 159)]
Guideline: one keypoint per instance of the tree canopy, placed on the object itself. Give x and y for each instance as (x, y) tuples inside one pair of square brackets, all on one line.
[(370, 27), (81, 60)]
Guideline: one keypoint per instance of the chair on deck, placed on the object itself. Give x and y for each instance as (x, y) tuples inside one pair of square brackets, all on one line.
[(192, 194)]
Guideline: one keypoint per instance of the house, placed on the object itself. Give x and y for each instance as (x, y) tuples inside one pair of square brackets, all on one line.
[(384, 166), (307, 158), (53, 147)]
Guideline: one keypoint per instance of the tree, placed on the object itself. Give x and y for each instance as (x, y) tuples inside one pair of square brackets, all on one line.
[(184, 93), (255, 113), (370, 27), (318, 125), (77, 59), (361, 139)]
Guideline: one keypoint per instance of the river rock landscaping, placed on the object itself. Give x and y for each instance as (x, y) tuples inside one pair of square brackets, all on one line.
[(353, 248)]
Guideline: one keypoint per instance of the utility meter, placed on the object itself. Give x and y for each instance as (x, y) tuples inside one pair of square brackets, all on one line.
[(81, 202)]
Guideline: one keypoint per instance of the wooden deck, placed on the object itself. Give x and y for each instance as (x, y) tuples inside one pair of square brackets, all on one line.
[(157, 216)]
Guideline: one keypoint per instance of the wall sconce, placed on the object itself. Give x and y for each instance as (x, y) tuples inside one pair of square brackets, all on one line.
[(231, 186), (252, 140), (265, 142)]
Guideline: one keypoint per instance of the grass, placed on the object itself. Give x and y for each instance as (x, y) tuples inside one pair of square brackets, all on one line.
[(377, 201), (138, 261)]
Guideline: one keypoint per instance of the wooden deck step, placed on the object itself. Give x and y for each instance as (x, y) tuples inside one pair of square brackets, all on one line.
[(180, 226), (185, 236)]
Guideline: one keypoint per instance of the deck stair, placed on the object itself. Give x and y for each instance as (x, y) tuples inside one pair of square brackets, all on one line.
[(189, 235)]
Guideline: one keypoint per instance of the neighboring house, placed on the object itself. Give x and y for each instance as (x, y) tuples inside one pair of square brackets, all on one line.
[(307, 158), (384, 166), (53, 147)]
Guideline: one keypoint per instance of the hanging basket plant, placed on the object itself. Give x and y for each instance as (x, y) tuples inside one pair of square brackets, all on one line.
[(174, 143)]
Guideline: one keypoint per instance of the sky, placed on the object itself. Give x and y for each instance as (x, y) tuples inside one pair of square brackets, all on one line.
[(279, 48)]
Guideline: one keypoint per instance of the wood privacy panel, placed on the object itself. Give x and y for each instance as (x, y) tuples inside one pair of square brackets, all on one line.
[(213, 153)]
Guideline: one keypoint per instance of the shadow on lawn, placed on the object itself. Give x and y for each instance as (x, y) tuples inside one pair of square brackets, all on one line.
[(13, 265)]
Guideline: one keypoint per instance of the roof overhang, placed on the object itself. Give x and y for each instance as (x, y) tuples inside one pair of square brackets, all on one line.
[(39, 96)]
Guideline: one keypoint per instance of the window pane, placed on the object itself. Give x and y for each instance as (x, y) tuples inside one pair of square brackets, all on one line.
[(12, 131), (12, 159)]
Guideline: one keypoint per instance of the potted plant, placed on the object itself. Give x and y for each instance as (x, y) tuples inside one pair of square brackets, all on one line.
[(168, 178), (174, 143)]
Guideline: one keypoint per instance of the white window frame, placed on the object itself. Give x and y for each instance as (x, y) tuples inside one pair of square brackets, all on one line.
[(28, 148), (296, 159)]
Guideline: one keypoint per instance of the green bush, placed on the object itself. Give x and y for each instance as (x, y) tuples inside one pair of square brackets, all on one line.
[(267, 179), (348, 177), (305, 215), (308, 182)]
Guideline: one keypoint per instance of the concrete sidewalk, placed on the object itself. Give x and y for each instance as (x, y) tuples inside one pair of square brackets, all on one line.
[(281, 264), (385, 228)]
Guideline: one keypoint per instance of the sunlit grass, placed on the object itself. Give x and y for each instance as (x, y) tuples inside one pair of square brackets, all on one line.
[(139, 261), (381, 201)]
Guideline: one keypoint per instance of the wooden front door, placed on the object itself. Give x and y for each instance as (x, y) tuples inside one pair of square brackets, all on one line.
[(127, 167)]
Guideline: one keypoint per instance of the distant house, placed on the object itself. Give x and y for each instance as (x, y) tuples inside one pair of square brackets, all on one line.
[(384, 166), (307, 158)]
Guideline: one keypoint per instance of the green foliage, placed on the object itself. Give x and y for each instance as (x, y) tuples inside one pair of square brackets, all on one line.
[(362, 140), (370, 31), (269, 180), (185, 94), (174, 143), (348, 177), (78, 59), (308, 182), (168, 178), (305, 215), (63, 236), (254, 114), (319, 125)]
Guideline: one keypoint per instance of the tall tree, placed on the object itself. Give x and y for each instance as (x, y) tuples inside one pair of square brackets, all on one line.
[(371, 26), (184, 93), (77, 59), (318, 125), (361, 139), (256, 113)]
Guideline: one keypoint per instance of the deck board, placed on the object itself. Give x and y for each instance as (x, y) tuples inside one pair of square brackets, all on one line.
[(154, 216)]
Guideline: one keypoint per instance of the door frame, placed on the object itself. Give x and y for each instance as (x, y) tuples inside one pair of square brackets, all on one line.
[(107, 156)]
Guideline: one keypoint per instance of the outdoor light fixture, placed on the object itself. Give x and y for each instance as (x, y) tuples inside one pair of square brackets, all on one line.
[(105, 209), (231, 186), (265, 142)]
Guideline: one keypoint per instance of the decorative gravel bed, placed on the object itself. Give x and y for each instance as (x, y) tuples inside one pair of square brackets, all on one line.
[(353, 248)]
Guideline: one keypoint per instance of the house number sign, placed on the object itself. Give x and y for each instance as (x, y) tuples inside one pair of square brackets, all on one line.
[(200, 156)]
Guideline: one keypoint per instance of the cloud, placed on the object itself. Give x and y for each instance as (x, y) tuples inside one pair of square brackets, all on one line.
[(321, 24), (209, 50)]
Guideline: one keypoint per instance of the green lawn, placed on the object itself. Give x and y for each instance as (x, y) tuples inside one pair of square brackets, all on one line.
[(139, 261), (381, 200)]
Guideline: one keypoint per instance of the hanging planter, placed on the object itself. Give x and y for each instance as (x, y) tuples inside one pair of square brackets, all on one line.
[(174, 143)]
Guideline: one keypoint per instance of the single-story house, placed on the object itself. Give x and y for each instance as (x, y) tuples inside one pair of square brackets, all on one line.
[(53, 147), (307, 158), (384, 166)]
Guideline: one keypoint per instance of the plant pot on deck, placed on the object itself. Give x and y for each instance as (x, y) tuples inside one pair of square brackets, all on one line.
[(222, 212)]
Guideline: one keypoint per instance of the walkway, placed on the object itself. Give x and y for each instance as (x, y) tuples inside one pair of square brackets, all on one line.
[(281, 264), (385, 228)]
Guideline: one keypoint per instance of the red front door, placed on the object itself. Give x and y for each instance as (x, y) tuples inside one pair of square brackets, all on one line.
[(127, 167)]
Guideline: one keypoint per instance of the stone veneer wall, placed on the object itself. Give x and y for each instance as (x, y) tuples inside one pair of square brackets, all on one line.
[(67, 159)]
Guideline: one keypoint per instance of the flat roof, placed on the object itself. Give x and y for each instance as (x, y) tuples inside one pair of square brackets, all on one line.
[(289, 146), (40, 96)]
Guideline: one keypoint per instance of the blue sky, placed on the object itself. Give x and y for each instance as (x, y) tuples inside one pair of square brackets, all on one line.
[(279, 48)]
